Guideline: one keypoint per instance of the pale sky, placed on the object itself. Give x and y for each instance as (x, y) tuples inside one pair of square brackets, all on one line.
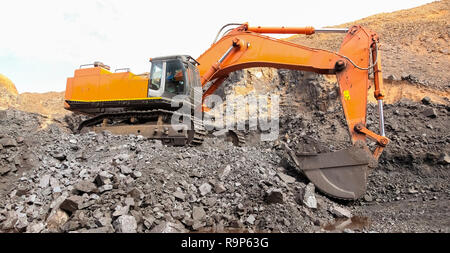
[(43, 42)]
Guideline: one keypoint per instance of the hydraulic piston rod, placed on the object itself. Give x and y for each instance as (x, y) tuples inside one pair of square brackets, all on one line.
[(331, 30), (381, 117), (215, 67), (308, 30)]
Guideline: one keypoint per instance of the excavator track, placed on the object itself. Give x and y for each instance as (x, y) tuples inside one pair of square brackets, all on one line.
[(237, 137), (199, 132), (194, 139)]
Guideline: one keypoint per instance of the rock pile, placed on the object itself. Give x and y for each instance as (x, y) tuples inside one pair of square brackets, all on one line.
[(106, 183)]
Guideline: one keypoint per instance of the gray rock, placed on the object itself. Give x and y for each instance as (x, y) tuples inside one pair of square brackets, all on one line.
[(309, 197), (136, 174), (224, 172), (11, 219), (251, 219), (120, 210), (4, 170), (430, 112), (169, 227), (274, 196), (138, 216), (178, 215), (35, 228), (286, 178), (22, 222), (198, 224), (148, 222), (444, 158), (31, 199), (71, 226), (103, 222), (59, 155), (129, 201), (426, 100), (85, 186), (196, 173), (100, 230), (121, 157), (104, 188), (54, 182), (205, 189), (125, 170), (103, 178), (22, 190), (72, 203), (56, 189), (392, 77), (412, 191), (44, 181), (198, 213), (348, 231), (136, 194), (57, 220), (236, 224), (179, 195), (8, 142), (100, 148), (341, 212), (188, 222), (125, 224), (219, 188), (368, 198)]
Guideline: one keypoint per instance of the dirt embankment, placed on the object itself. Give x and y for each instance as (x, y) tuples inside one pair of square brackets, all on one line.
[(414, 50), (8, 92), (49, 104)]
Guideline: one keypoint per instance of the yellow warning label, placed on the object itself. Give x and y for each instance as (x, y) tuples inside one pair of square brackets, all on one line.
[(346, 95)]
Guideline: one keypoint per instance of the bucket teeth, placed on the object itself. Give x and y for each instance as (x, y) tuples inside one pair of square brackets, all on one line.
[(342, 174)]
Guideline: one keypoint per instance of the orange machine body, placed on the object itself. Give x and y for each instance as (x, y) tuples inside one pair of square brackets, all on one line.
[(98, 84)]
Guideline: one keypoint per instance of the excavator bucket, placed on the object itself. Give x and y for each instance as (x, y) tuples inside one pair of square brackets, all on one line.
[(342, 174)]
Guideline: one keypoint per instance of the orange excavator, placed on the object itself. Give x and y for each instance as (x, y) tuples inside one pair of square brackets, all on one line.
[(125, 103)]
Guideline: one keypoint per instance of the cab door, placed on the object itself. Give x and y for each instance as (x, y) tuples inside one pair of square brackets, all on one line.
[(156, 83), (176, 79)]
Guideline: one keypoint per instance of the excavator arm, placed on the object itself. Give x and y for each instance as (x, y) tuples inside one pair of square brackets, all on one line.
[(245, 47)]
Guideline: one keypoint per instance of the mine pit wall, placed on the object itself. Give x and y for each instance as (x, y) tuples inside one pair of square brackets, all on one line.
[(310, 108), (299, 90)]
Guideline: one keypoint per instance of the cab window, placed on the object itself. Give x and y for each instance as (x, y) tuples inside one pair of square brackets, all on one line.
[(175, 77), (156, 75)]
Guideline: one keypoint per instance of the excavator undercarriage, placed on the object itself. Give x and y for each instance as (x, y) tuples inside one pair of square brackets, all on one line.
[(125, 103)]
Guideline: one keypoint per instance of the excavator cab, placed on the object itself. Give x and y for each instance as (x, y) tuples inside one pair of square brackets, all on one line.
[(172, 75)]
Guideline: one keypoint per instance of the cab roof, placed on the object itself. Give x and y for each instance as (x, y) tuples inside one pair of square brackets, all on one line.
[(184, 58)]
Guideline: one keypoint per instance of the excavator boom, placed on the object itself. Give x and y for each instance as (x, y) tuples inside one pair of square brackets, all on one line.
[(341, 174)]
